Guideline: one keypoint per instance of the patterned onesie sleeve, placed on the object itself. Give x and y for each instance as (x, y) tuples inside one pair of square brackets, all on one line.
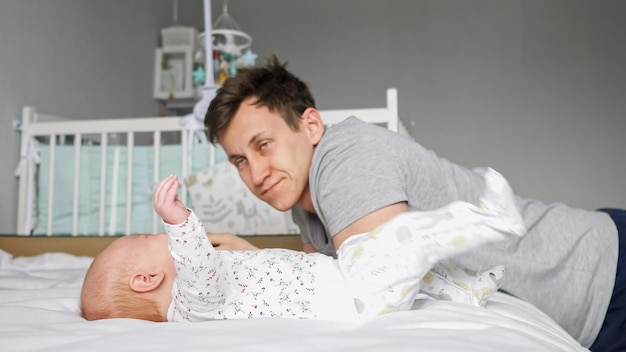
[(198, 284), (383, 268)]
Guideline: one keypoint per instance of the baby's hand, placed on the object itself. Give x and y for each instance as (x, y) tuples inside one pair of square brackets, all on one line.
[(166, 202)]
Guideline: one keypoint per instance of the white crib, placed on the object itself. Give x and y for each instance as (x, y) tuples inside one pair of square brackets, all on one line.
[(47, 138)]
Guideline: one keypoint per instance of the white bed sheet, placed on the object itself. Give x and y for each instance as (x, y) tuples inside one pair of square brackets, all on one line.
[(39, 312)]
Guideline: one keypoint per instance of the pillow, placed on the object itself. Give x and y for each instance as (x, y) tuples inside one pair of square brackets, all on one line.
[(225, 204)]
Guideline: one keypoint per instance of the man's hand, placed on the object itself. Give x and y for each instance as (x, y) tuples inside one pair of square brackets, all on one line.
[(228, 241), (166, 202)]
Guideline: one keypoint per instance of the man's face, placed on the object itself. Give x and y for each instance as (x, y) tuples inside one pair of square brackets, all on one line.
[(272, 159)]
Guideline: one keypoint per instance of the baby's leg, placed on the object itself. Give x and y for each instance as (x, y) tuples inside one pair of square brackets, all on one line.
[(384, 267)]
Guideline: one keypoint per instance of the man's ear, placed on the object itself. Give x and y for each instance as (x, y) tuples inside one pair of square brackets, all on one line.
[(146, 282), (313, 124)]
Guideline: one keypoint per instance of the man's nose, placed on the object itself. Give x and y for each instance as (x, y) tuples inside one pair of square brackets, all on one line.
[(259, 170)]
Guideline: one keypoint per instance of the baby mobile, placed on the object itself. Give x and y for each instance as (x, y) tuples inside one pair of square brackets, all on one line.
[(230, 50)]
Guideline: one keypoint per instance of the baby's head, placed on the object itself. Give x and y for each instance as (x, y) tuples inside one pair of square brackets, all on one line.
[(131, 278)]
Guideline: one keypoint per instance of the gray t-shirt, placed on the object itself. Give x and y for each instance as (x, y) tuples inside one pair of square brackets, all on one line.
[(565, 265)]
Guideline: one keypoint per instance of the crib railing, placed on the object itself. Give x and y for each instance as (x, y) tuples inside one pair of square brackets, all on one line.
[(386, 116)]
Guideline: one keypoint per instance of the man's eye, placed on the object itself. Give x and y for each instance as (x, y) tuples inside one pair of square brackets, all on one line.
[(239, 162), (264, 145)]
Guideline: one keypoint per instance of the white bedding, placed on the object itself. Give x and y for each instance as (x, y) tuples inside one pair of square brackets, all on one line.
[(39, 312)]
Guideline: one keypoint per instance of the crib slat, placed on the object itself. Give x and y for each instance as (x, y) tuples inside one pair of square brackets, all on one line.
[(184, 137), (129, 180), (77, 144), (211, 155), (53, 143), (114, 192), (103, 174), (157, 167)]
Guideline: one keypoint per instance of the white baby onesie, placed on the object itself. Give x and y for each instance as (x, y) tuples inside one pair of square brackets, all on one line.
[(252, 284)]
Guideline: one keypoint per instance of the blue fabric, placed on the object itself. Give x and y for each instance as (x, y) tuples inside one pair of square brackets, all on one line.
[(612, 336), (143, 182)]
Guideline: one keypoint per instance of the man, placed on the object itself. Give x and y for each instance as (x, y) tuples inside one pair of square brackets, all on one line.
[(354, 176)]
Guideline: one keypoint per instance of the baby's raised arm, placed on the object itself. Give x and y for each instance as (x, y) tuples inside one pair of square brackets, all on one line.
[(166, 202), (197, 288)]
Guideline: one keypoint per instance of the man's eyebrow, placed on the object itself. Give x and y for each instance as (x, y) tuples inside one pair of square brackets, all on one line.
[(233, 157), (252, 141), (256, 137)]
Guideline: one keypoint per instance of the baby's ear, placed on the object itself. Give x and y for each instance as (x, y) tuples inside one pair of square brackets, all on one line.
[(146, 282)]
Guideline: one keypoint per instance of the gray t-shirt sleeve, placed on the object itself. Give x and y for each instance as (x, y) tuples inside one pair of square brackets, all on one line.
[(354, 175), (359, 168)]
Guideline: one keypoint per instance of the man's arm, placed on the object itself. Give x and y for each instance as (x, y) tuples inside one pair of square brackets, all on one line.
[(369, 222), (308, 248)]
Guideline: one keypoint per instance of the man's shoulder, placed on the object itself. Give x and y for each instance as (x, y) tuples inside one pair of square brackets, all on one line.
[(351, 131), (350, 122)]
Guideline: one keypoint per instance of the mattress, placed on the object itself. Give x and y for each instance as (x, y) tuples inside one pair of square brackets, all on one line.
[(39, 310)]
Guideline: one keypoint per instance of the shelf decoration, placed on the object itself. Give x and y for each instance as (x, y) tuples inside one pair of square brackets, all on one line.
[(174, 63)]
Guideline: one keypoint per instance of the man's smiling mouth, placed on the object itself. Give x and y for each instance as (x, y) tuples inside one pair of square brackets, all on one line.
[(270, 188)]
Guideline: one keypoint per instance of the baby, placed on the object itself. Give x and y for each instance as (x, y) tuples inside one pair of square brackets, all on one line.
[(180, 277)]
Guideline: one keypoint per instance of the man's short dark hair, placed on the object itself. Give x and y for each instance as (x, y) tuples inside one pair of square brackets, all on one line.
[(273, 87)]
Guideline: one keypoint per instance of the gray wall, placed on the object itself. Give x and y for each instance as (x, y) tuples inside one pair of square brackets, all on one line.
[(73, 58), (535, 89)]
